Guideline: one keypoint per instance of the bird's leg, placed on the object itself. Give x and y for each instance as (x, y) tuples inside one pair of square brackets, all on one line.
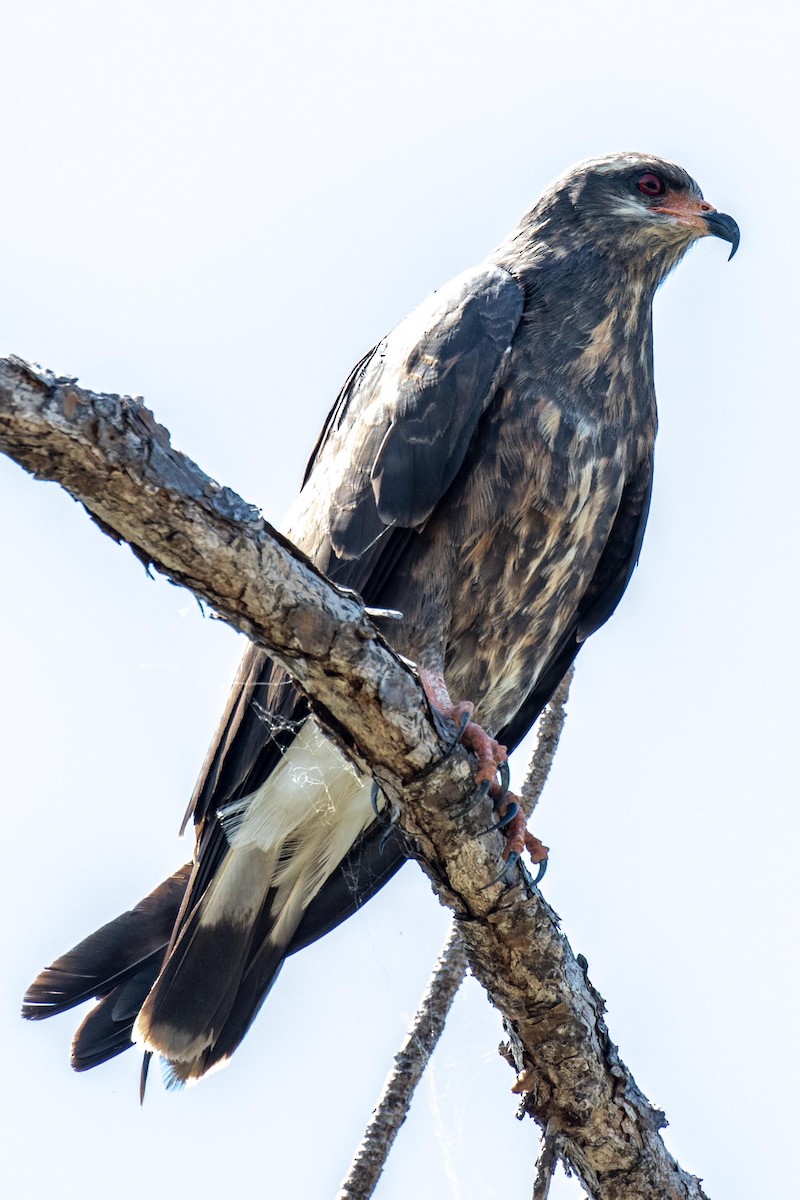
[(490, 754), (492, 758)]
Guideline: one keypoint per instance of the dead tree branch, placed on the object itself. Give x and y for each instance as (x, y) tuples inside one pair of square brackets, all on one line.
[(110, 454), (409, 1064), (545, 1168), (551, 726)]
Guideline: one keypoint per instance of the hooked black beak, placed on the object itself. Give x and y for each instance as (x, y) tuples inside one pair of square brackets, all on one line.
[(723, 226)]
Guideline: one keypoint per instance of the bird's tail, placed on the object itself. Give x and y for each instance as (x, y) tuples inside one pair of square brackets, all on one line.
[(185, 972), (185, 1016), (117, 965), (283, 842)]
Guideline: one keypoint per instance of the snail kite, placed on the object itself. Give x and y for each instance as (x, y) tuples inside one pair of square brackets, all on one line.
[(486, 472)]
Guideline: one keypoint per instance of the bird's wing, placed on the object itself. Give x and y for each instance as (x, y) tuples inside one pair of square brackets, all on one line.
[(390, 447), (424, 392), (399, 431)]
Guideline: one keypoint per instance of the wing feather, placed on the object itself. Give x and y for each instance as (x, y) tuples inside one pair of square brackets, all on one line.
[(421, 393), (463, 333)]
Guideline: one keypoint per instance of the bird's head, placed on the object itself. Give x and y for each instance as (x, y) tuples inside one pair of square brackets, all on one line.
[(635, 207)]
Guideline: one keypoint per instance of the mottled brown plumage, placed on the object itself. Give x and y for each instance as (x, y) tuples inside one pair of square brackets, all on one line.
[(486, 471)]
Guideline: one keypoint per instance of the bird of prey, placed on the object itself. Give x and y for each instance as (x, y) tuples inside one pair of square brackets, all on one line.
[(486, 473)]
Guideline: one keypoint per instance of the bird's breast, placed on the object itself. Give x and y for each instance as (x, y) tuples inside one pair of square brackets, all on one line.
[(517, 584), (498, 573)]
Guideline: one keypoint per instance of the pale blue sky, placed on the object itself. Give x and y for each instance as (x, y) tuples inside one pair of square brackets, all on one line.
[(221, 207)]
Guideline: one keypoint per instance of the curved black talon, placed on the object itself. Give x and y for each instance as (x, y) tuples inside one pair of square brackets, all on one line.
[(528, 878), (513, 809), (504, 771), (479, 795), (505, 874), (509, 815), (451, 748), (462, 725), (386, 816), (391, 821)]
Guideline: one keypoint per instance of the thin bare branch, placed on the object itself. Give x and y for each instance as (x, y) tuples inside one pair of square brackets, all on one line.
[(551, 726), (110, 454), (409, 1064), (545, 1167)]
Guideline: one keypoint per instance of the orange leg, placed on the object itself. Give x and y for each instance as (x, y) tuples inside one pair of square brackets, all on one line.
[(491, 757), (489, 753)]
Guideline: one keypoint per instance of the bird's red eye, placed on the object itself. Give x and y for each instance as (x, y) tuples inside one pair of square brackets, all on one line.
[(651, 185)]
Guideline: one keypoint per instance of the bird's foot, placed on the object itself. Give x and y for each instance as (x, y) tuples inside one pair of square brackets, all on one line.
[(492, 757), (492, 762), (518, 837)]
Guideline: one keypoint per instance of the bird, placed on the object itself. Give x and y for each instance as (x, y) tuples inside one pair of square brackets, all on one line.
[(482, 482)]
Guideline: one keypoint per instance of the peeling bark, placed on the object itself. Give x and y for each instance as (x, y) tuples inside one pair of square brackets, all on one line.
[(110, 453)]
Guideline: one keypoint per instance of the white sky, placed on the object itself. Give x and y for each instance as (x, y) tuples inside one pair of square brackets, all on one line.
[(221, 206)]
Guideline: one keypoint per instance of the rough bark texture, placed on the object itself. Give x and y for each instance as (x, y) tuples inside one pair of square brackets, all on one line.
[(545, 1168), (409, 1064), (109, 452)]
